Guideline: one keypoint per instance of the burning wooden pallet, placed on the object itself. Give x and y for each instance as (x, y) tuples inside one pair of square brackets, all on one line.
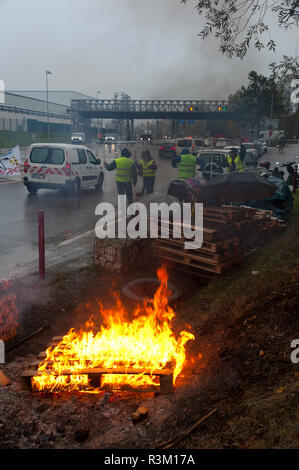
[(95, 374)]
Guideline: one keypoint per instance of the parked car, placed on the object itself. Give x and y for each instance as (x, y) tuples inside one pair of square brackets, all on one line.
[(183, 143), (259, 147), (213, 163), (198, 144), (229, 148), (167, 149), (221, 142), (265, 147), (250, 161), (251, 148), (61, 166), (78, 138)]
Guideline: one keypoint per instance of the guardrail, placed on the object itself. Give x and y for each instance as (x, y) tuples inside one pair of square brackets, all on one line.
[(15, 109)]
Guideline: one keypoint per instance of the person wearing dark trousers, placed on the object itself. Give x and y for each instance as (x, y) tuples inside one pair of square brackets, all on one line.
[(147, 169), (126, 174)]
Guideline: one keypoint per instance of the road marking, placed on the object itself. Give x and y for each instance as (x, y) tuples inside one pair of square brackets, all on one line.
[(71, 240), (3, 183)]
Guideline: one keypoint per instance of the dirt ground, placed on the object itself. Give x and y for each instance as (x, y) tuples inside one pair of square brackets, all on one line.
[(239, 363)]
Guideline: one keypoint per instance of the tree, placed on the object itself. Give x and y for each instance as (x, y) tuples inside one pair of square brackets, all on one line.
[(263, 97), (239, 23)]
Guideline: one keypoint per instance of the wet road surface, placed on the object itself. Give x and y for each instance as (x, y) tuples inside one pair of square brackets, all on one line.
[(69, 221)]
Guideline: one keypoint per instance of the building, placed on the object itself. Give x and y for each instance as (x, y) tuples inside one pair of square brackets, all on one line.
[(29, 111)]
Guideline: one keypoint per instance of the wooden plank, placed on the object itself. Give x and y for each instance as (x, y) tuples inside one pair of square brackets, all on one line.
[(110, 371), (178, 259), (190, 255), (165, 385), (178, 246)]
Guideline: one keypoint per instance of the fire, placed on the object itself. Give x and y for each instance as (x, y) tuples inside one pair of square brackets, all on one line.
[(131, 350)]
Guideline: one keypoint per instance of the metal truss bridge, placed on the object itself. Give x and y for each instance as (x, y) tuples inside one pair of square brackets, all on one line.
[(152, 109)]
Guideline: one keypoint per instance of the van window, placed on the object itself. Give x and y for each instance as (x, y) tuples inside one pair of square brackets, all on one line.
[(73, 157), (82, 156), (91, 157), (218, 158), (48, 156)]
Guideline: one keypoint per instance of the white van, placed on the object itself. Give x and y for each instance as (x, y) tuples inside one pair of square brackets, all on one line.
[(61, 166)]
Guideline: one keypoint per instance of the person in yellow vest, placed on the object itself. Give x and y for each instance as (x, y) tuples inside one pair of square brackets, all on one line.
[(126, 174), (231, 165), (186, 165), (239, 163), (147, 169)]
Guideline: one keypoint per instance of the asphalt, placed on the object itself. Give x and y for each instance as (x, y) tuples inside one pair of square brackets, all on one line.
[(69, 221)]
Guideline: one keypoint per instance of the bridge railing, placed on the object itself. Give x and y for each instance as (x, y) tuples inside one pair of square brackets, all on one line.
[(167, 106)]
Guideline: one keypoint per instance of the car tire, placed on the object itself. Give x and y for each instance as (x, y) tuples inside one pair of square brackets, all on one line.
[(100, 182), (32, 188)]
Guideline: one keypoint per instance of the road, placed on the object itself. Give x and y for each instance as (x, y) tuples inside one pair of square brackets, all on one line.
[(69, 221)]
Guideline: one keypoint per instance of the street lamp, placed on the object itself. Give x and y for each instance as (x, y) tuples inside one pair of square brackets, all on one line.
[(98, 93), (47, 88)]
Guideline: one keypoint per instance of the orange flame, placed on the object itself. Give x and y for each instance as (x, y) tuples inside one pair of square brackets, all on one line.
[(131, 350)]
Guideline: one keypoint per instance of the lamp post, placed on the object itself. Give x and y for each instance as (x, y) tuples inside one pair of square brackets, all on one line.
[(98, 93), (47, 88)]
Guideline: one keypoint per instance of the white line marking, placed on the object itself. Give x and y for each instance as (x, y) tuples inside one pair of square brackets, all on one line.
[(67, 242), (8, 182)]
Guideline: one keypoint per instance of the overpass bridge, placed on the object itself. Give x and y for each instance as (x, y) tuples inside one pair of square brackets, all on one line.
[(152, 109)]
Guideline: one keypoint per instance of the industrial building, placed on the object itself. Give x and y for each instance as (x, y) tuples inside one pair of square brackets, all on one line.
[(29, 111)]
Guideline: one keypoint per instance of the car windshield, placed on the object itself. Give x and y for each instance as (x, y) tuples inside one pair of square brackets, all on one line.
[(184, 143), (218, 158), (47, 155)]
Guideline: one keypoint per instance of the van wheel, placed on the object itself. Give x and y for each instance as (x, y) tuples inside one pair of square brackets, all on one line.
[(32, 189), (77, 187), (100, 182)]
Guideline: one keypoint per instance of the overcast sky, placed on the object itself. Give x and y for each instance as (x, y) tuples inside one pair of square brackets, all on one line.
[(146, 48)]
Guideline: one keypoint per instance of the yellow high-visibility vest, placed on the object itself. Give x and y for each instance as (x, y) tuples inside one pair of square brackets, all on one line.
[(123, 170), (146, 170), (187, 167)]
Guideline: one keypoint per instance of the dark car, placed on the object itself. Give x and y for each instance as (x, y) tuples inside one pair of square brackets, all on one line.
[(167, 149)]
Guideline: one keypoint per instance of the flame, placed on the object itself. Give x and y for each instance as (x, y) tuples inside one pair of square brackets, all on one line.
[(139, 347)]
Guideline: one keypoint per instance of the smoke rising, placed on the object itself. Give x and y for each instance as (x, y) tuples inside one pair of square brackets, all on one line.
[(146, 48)]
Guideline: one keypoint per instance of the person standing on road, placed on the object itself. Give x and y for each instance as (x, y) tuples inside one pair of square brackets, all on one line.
[(282, 143), (239, 163), (126, 174), (147, 168), (231, 165), (186, 165)]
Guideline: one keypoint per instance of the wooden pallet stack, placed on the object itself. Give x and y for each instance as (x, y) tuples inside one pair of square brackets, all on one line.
[(9, 316), (229, 234)]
